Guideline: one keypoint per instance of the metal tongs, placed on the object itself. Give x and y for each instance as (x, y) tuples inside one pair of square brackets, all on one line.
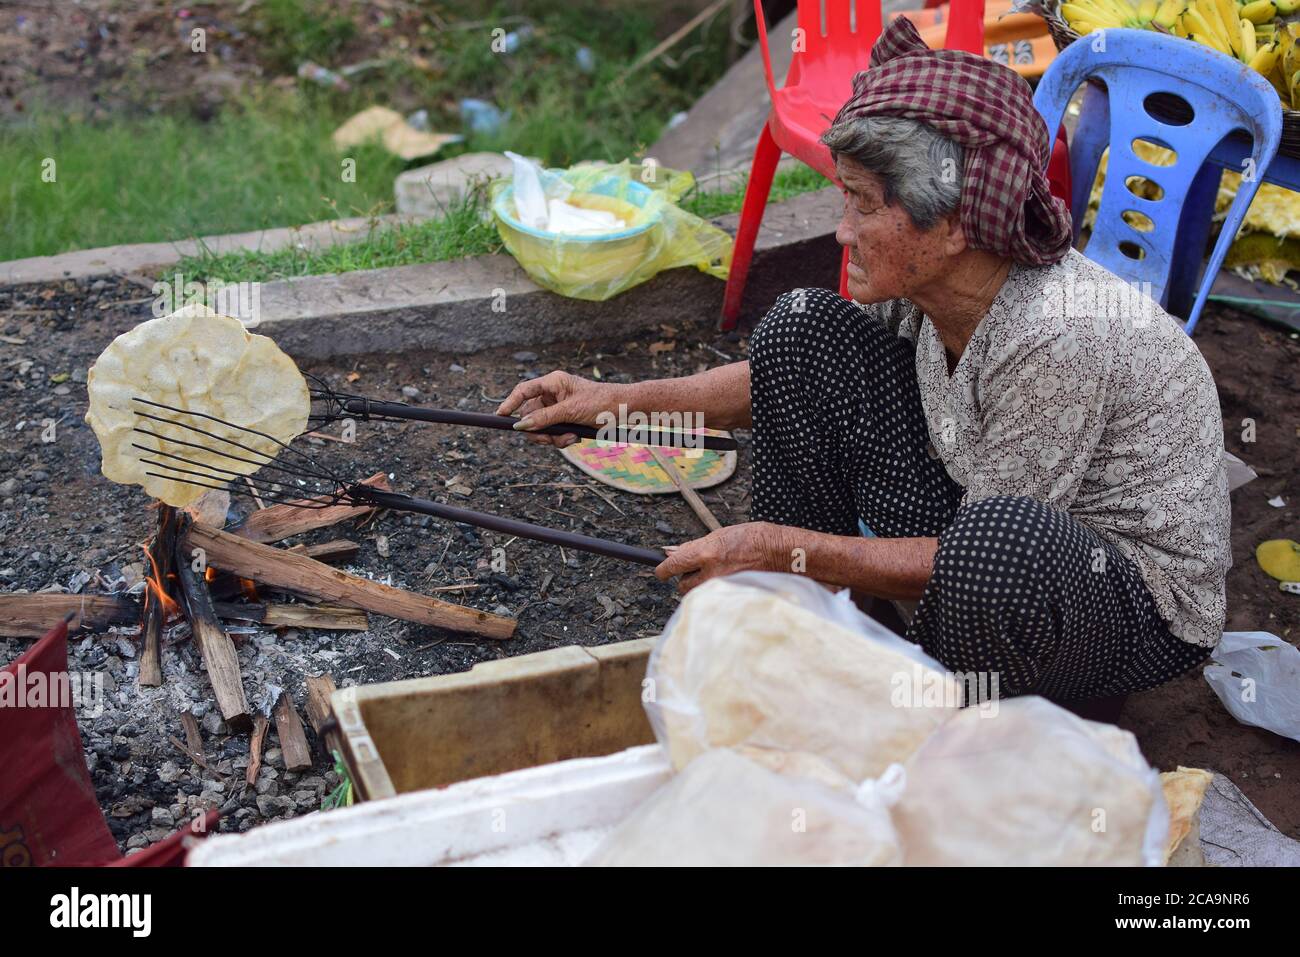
[(337, 406)]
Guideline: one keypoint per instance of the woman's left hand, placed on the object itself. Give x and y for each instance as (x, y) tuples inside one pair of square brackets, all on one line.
[(754, 546)]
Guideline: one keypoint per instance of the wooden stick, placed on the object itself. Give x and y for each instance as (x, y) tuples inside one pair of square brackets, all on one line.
[(672, 39), (336, 550), (293, 741), (32, 616), (319, 709), (260, 724), (184, 749), (333, 617), (285, 520), (193, 737), (283, 569), (161, 551), (692, 499), (214, 644)]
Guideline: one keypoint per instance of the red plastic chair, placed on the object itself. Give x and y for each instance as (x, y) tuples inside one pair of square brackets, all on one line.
[(819, 81)]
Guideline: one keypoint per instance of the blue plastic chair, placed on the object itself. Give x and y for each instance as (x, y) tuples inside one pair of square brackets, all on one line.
[(1224, 97)]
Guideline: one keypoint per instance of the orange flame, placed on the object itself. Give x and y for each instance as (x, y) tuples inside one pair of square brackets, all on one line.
[(249, 588), (156, 590)]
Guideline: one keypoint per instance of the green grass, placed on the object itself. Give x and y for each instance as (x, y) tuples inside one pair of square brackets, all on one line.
[(786, 184), (266, 160), (463, 231), (160, 178)]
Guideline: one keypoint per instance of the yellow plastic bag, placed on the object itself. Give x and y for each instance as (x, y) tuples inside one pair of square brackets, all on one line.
[(657, 236)]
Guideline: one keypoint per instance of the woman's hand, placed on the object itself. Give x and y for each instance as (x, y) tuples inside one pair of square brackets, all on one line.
[(559, 397), (754, 546)]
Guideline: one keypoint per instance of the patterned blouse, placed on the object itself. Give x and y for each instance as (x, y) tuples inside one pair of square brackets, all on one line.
[(1081, 392)]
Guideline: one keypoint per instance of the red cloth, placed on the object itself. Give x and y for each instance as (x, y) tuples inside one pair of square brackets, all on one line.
[(1006, 203), (48, 811)]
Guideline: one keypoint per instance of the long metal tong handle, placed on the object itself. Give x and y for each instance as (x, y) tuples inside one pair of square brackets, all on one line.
[(355, 405), (507, 526)]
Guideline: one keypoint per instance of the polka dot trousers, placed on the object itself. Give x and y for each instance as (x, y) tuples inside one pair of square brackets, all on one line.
[(1020, 592)]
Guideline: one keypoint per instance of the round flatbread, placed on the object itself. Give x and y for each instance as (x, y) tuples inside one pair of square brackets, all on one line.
[(196, 361)]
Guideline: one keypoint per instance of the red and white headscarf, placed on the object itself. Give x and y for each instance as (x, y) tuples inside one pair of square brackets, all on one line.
[(1006, 205)]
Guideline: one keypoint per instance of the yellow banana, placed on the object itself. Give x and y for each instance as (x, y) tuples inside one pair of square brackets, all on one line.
[(1227, 12), (1248, 48), (1199, 29), (1259, 11), (1264, 59), (1180, 28), (1146, 11), (1287, 7), (1209, 40), (1169, 11), (1295, 88), (1076, 12), (1225, 31)]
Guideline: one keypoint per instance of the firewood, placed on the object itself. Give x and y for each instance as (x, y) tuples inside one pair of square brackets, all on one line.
[(283, 569), (213, 642), (161, 556), (293, 740), (193, 737), (333, 617), (284, 520), (337, 550), (319, 709), (210, 508), (260, 724), (32, 616)]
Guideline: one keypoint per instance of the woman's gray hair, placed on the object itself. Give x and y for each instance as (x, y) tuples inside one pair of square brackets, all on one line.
[(921, 168)]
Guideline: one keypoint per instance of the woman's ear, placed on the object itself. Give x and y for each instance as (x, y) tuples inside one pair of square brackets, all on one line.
[(954, 239)]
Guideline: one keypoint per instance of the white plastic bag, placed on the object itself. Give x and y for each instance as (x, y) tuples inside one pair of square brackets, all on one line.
[(1030, 784), (1257, 677), (530, 199), (776, 661), (725, 810)]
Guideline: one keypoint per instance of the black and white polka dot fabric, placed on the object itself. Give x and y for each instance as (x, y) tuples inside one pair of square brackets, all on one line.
[(1019, 590)]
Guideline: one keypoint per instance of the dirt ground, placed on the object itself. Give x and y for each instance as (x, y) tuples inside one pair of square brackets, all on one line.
[(61, 518)]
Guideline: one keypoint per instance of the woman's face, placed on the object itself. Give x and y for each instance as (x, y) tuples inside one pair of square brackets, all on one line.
[(889, 257)]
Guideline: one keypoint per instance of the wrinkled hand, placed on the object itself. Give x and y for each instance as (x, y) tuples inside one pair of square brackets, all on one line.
[(559, 397), (754, 546)]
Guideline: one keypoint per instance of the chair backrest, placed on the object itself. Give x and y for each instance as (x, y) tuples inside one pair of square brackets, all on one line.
[(826, 61), (1135, 236)]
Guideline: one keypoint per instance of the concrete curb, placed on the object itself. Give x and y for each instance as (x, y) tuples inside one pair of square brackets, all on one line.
[(147, 257)]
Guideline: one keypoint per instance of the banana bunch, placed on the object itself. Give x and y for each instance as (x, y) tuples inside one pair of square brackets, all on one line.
[(1285, 71), (1251, 32)]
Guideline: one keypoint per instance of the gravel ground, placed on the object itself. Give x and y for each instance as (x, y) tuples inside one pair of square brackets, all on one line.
[(64, 527)]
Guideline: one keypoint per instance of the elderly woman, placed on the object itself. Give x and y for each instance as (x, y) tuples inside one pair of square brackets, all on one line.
[(994, 425)]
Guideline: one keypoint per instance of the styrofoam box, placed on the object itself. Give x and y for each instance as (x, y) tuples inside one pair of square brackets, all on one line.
[(549, 815)]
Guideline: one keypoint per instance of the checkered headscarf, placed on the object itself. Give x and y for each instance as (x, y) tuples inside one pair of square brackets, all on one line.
[(1006, 206)]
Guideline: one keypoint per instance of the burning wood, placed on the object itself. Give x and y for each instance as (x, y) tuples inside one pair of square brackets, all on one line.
[(31, 616), (158, 602), (297, 573), (210, 638)]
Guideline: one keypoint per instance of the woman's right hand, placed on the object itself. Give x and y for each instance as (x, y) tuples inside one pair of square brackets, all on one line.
[(560, 397)]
